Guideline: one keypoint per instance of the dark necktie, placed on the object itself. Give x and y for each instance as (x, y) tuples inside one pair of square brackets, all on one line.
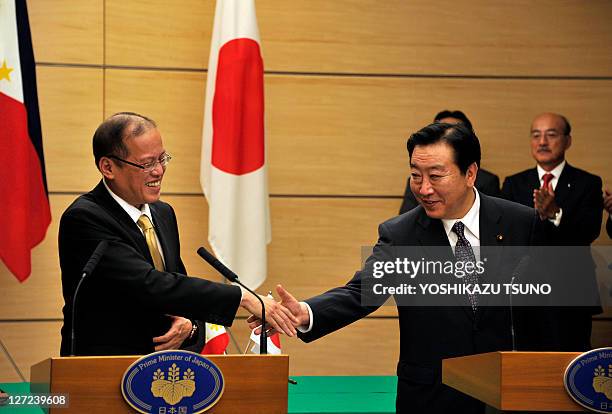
[(465, 254), (547, 178)]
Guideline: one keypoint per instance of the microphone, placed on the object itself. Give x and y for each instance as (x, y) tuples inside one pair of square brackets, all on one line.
[(87, 270), (232, 277), (518, 272)]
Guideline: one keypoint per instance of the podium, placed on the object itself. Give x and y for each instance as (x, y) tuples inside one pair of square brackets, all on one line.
[(513, 381), (253, 383)]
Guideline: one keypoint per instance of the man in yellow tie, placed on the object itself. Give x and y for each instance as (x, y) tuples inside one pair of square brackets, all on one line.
[(138, 299)]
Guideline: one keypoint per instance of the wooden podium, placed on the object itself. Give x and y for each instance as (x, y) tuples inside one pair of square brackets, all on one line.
[(253, 383), (513, 381)]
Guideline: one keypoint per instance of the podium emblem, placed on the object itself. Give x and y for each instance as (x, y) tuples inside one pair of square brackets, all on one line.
[(588, 380), (172, 382)]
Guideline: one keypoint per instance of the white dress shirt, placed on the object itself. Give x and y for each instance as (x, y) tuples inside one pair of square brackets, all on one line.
[(472, 227)]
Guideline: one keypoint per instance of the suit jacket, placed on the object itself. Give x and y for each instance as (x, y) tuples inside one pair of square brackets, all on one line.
[(430, 334), (578, 194), (123, 304), (486, 182)]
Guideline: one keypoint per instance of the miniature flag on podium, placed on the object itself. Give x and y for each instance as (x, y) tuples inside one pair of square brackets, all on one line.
[(217, 340), (274, 345)]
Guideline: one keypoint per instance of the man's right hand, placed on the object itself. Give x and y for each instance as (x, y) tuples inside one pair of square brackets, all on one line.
[(277, 316), (299, 310)]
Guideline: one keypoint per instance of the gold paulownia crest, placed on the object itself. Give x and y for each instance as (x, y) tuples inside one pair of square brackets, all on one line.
[(602, 382), (173, 390)]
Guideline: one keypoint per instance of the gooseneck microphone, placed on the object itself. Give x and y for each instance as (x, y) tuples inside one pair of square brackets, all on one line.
[(518, 272), (232, 277), (87, 270)]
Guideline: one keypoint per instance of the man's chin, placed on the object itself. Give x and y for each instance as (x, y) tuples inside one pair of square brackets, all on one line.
[(152, 197)]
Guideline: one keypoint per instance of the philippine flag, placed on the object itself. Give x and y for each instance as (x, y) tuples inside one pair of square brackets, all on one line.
[(233, 167), (217, 340), (25, 213)]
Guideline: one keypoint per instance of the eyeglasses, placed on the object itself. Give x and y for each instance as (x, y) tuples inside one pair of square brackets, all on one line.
[(149, 166)]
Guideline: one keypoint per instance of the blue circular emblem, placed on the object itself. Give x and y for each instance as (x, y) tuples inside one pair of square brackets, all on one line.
[(172, 382), (588, 380)]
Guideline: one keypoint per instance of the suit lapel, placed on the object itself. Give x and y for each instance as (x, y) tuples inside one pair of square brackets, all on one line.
[(163, 234), (564, 185), (105, 200), (491, 239), (533, 183), (432, 233)]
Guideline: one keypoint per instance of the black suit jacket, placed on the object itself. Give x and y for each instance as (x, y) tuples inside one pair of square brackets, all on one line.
[(430, 334), (578, 194), (486, 182), (123, 304)]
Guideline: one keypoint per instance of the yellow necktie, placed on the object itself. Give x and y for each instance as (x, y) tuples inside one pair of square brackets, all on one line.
[(149, 232)]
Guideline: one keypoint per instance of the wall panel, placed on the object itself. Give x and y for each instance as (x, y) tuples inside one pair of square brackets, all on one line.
[(468, 38), (476, 37), (347, 135), (70, 109), (67, 31), (161, 34), (30, 342), (7, 371)]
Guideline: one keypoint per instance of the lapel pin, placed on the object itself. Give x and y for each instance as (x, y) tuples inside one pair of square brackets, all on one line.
[(499, 237)]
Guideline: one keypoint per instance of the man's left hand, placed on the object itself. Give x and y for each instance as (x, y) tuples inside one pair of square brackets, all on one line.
[(176, 335), (544, 202)]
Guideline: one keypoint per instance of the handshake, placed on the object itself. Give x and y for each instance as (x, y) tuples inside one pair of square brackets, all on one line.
[(283, 316)]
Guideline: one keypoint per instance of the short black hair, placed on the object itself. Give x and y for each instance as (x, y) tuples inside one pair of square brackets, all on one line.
[(463, 141), (454, 114), (110, 135)]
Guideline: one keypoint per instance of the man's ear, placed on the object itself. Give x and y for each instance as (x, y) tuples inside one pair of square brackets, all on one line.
[(568, 143), (107, 168), (471, 173)]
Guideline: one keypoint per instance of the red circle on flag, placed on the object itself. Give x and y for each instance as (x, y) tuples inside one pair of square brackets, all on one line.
[(238, 108)]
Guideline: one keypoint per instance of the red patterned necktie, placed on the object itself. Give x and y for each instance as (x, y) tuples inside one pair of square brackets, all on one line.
[(546, 179)]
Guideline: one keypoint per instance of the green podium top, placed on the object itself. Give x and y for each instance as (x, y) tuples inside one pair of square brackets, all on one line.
[(342, 395)]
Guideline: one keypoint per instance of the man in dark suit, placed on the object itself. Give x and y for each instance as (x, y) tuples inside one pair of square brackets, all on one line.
[(486, 182), (453, 217), (569, 202), (138, 299)]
